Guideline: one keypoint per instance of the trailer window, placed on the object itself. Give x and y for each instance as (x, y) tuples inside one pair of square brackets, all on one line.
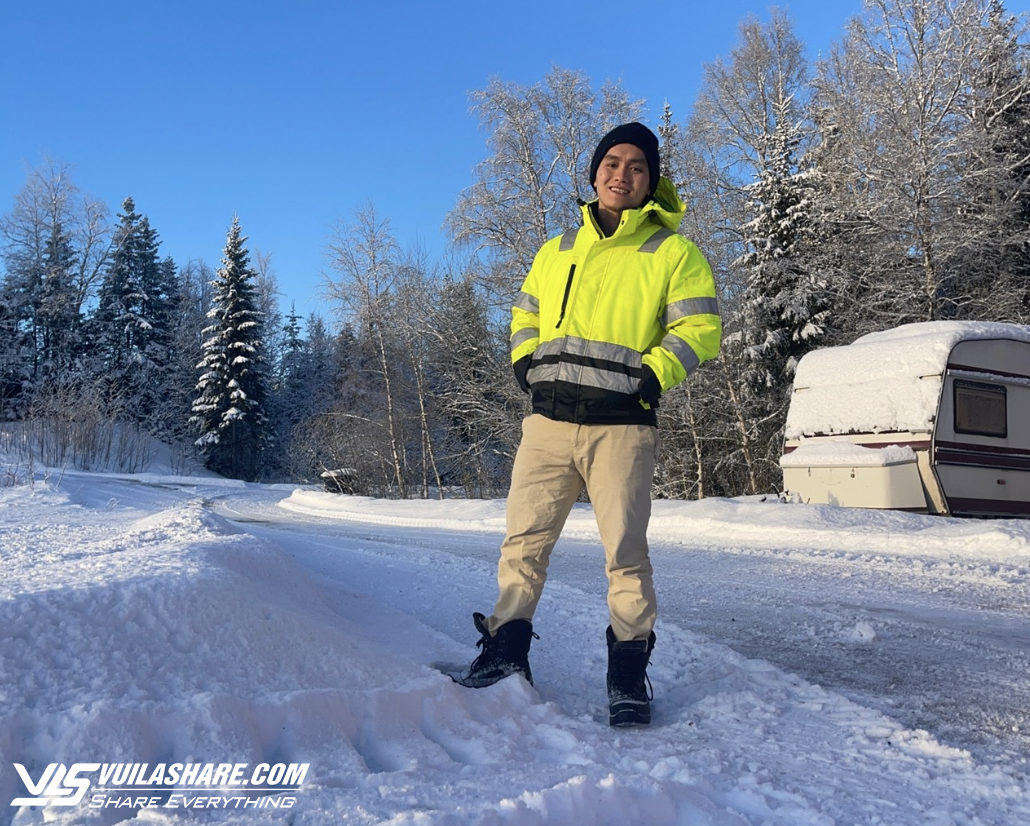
[(980, 409)]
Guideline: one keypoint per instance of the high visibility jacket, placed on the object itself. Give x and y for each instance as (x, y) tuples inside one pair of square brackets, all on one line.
[(593, 310)]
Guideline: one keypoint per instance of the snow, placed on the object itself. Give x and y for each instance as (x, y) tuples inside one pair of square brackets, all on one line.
[(846, 454), (884, 382), (815, 666)]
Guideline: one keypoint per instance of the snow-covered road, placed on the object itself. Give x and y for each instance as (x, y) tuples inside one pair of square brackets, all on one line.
[(815, 666), (939, 644)]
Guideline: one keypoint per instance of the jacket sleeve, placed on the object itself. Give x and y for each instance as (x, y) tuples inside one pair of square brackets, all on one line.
[(525, 318), (690, 320)]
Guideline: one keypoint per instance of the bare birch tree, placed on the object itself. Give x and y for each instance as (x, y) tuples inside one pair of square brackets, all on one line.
[(417, 294), (54, 243), (997, 180), (895, 155), (364, 254), (541, 138)]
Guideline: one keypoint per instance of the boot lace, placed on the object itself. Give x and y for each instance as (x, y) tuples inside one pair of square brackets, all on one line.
[(630, 681), (491, 653), (487, 655)]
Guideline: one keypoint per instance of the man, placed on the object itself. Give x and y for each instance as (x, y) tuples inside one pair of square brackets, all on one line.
[(609, 317)]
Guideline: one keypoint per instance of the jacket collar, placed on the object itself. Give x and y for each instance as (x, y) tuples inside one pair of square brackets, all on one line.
[(664, 208)]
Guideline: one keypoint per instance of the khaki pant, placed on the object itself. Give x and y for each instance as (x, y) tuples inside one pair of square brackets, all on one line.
[(554, 463)]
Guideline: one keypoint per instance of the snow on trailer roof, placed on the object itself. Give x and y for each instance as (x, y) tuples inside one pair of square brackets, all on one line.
[(885, 382)]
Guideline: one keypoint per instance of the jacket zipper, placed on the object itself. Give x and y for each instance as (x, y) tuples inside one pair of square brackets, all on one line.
[(565, 298)]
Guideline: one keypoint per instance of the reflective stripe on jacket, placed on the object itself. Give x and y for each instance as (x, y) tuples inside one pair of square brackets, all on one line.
[(594, 310)]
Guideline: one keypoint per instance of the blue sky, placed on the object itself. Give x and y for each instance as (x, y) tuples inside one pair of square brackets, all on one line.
[(294, 114)]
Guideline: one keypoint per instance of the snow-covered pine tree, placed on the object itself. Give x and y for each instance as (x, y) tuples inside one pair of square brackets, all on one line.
[(748, 129), (293, 349), (229, 410), (293, 392), (168, 359), (672, 150), (15, 357), (192, 297), (129, 327), (783, 307), (59, 337)]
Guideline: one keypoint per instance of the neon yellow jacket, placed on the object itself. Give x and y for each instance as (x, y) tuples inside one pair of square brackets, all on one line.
[(593, 310)]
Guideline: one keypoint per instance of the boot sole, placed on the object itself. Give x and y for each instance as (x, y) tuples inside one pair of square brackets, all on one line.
[(459, 673), (627, 716)]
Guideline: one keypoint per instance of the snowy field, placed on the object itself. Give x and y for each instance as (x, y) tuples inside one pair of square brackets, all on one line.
[(814, 666)]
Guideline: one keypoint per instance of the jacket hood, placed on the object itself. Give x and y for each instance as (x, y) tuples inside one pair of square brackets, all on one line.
[(667, 204), (665, 207)]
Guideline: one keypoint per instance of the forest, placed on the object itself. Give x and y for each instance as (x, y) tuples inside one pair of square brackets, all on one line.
[(888, 182)]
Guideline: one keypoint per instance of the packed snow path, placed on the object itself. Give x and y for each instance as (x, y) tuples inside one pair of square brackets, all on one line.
[(160, 619), (940, 644)]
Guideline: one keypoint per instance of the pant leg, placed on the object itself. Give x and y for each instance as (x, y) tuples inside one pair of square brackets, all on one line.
[(618, 463), (544, 486)]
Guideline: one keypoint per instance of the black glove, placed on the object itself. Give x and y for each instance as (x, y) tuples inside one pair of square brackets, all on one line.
[(650, 387), (521, 368)]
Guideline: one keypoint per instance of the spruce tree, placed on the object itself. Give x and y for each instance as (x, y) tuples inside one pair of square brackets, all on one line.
[(748, 130), (291, 396), (59, 320), (130, 335), (15, 357), (188, 319), (229, 410), (783, 305)]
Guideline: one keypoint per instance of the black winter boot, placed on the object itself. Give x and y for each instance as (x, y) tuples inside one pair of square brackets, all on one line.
[(629, 689), (504, 654)]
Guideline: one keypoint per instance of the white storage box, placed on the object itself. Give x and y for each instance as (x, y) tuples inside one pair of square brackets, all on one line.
[(849, 475)]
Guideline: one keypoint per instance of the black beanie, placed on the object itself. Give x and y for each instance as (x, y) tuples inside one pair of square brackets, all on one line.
[(638, 135)]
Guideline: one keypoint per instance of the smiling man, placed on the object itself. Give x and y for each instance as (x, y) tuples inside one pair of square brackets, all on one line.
[(610, 316)]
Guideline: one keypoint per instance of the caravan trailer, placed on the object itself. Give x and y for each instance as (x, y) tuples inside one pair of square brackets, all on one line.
[(931, 417)]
